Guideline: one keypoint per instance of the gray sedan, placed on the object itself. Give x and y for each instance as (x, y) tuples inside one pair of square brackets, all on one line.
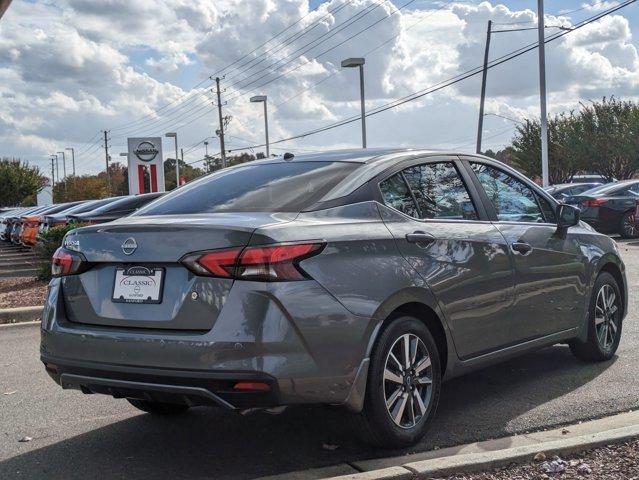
[(354, 278)]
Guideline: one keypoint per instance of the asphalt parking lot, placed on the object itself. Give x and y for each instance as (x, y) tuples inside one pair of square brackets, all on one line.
[(79, 436), (16, 261)]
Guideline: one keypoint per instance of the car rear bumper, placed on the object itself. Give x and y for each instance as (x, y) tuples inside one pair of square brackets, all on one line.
[(163, 385), (307, 347)]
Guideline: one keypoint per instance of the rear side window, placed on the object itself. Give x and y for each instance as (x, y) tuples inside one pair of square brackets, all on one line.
[(267, 187), (513, 200), (396, 194)]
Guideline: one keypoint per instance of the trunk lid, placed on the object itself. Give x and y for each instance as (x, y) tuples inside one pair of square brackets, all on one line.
[(186, 301)]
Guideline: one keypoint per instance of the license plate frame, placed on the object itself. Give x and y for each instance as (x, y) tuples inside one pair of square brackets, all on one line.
[(138, 273)]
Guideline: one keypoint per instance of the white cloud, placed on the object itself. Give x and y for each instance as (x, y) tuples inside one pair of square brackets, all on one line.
[(68, 71)]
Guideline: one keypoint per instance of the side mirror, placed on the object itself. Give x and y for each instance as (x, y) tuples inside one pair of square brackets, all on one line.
[(567, 216)]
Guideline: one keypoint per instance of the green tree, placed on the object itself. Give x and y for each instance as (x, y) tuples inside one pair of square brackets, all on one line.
[(85, 187), (19, 180), (564, 149), (187, 171), (610, 130), (601, 137)]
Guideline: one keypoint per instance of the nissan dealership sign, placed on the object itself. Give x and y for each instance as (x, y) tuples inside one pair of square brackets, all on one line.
[(146, 165)]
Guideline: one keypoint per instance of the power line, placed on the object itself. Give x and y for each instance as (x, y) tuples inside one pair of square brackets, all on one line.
[(456, 79)]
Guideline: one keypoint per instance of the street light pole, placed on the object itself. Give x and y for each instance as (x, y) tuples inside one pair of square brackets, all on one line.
[(263, 99), (177, 162), (72, 158), (359, 62), (542, 92), (480, 123)]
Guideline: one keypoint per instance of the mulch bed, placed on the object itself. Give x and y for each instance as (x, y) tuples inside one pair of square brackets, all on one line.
[(614, 462), (22, 292)]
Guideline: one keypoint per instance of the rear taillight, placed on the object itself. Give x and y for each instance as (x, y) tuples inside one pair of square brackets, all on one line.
[(273, 263), (595, 202), (66, 262)]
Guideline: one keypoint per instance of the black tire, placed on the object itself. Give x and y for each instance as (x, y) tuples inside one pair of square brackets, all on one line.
[(594, 349), (629, 227), (158, 408), (374, 424)]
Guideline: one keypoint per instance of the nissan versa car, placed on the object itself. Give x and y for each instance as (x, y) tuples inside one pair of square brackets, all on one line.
[(354, 278)]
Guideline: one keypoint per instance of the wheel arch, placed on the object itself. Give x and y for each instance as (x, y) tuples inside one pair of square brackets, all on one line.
[(614, 269), (421, 304)]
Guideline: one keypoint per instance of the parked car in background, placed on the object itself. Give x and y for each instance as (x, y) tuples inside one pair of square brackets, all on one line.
[(32, 224), (354, 278), (591, 177), (62, 218), (610, 208), (562, 191), (14, 224), (4, 221), (116, 209)]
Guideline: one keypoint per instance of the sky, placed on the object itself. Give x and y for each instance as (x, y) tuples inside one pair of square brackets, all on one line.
[(70, 69)]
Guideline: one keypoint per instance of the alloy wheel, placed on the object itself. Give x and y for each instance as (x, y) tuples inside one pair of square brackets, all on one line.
[(630, 227), (606, 316), (408, 383)]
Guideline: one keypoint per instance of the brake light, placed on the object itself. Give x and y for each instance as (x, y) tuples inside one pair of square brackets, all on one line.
[(595, 202), (273, 263), (67, 263)]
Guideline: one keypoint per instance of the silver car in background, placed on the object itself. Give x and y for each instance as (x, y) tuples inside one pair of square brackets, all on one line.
[(354, 278)]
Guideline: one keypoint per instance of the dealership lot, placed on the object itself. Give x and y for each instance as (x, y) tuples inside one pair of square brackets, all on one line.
[(75, 436)]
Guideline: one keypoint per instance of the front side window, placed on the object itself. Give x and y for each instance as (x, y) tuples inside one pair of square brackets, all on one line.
[(396, 194), (440, 192), (512, 199)]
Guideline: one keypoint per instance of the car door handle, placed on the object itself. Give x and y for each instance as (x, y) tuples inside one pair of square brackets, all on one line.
[(420, 237), (522, 247)]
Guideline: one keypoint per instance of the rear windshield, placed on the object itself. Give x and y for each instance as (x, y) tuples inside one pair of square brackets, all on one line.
[(266, 187)]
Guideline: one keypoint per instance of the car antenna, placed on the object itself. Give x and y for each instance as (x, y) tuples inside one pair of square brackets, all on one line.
[(289, 156)]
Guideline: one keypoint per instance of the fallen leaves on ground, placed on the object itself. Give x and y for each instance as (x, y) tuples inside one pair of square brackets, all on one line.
[(22, 292)]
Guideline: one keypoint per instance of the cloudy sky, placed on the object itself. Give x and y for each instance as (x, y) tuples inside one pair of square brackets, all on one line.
[(71, 68)]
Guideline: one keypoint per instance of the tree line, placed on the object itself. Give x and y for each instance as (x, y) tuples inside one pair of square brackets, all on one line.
[(20, 182), (600, 137)]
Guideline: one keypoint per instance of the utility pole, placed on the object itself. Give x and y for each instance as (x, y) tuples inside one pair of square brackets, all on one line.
[(480, 123), (106, 159), (52, 178), (72, 158), (64, 165), (221, 119), (57, 170), (542, 92), (182, 158)]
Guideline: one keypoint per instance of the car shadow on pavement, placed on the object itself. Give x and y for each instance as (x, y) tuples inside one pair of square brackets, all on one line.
[(541, 389)]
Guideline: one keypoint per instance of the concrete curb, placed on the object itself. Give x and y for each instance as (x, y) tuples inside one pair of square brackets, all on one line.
[(20, 314), (485, 455)]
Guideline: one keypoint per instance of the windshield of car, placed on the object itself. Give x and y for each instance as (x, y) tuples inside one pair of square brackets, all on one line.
[(610, 188), (263, 187)]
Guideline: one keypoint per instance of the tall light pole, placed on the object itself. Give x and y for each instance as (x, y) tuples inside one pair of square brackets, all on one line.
[(64, 164), (262, 99), (359, 62), (542, 92), (72, 158), (173, 135)]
